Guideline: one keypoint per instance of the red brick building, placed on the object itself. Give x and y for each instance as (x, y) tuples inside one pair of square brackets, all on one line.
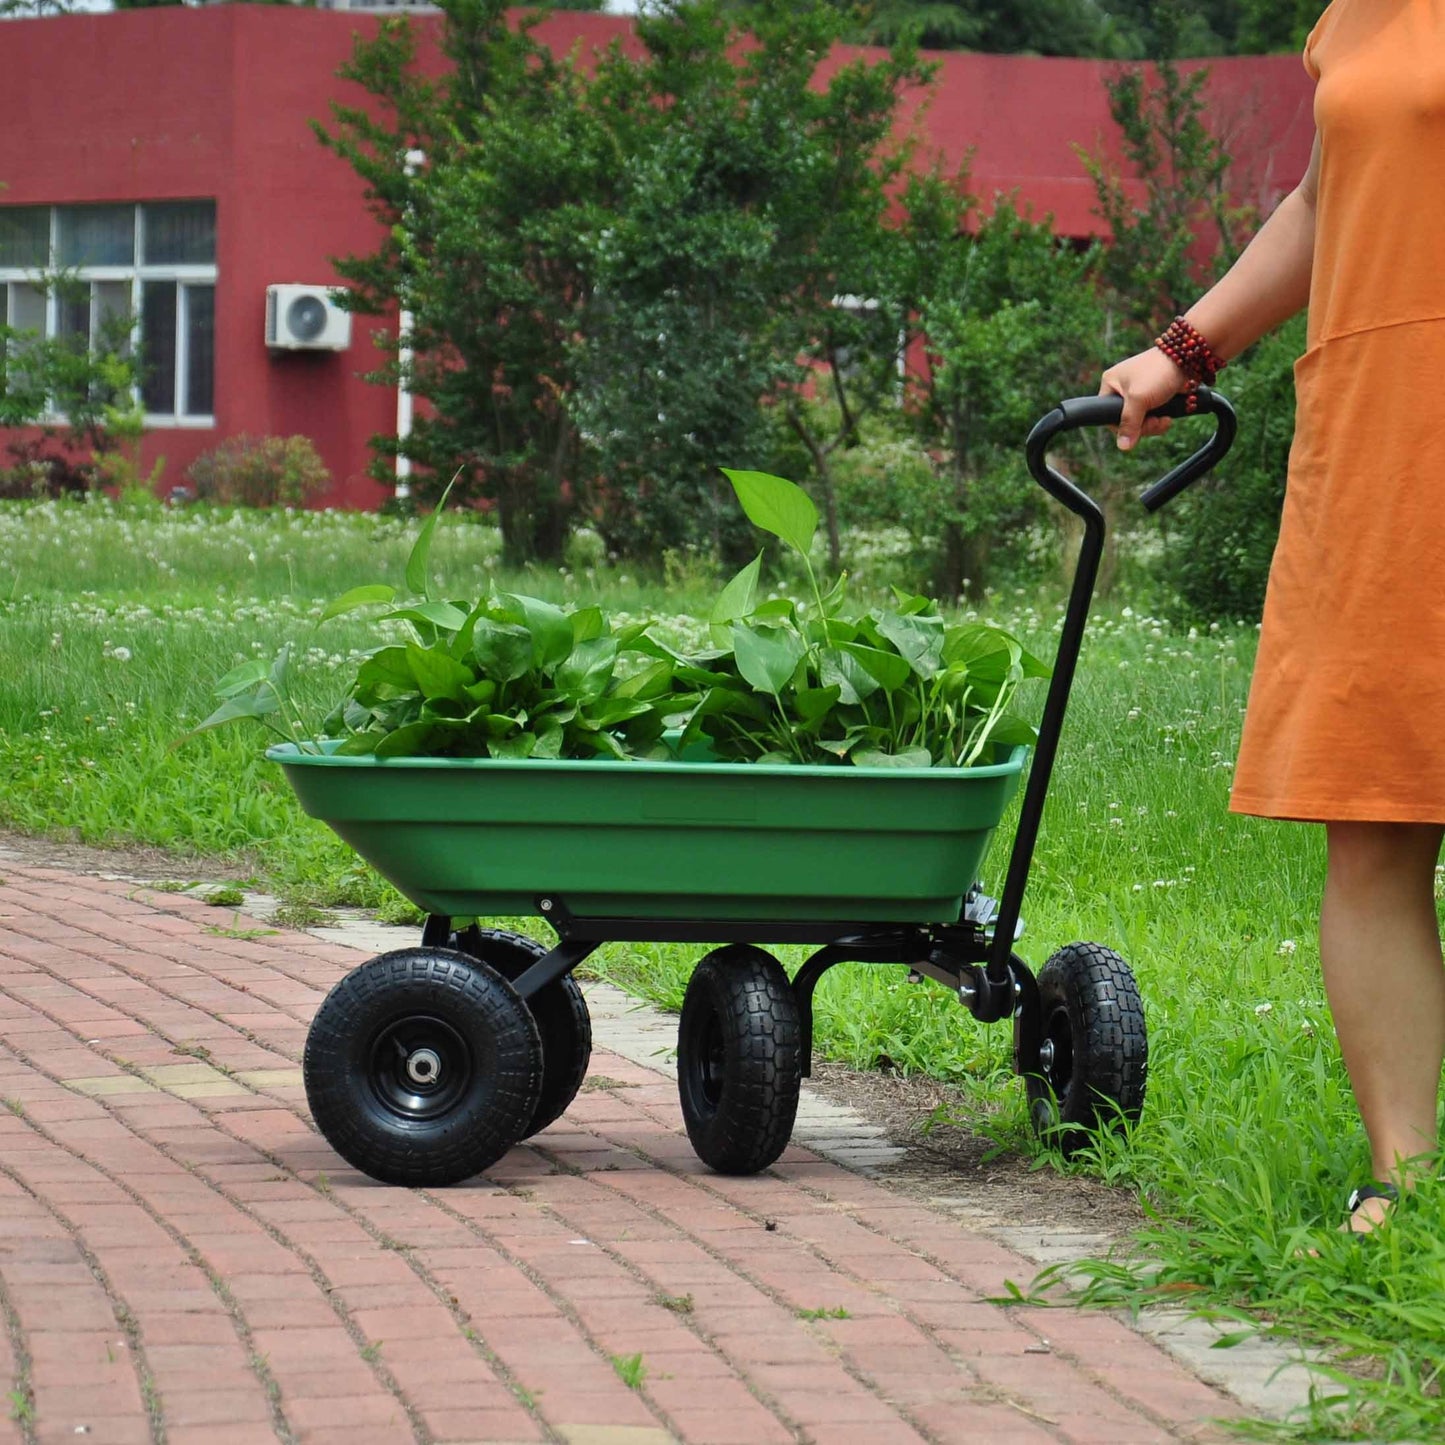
[(166, 154)]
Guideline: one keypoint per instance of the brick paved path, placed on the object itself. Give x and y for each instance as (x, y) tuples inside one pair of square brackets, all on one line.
[(184, 1259)]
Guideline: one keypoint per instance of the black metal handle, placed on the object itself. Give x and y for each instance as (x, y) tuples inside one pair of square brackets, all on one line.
[(1079, 411), (1082, 411)]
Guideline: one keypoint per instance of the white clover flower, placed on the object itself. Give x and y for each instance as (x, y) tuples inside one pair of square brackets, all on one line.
[(1138, 888), (1287, 947), (1306, 1027), (1263, 1008)]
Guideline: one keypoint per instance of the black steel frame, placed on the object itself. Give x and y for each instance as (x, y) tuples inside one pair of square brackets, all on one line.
[(975, 961)]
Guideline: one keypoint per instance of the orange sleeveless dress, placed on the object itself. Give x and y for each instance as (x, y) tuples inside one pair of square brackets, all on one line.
[(1346, 714)]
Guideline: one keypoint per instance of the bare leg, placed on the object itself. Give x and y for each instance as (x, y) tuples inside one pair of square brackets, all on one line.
[(1380, 951)]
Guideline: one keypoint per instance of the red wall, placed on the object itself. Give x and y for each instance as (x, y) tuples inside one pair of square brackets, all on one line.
[(176, 103)]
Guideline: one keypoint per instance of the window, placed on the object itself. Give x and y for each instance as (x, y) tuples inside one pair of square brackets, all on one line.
[(78, 271)]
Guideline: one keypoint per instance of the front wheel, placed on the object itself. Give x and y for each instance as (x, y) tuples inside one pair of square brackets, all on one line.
[(739, 1059), (422, 1067), (1094, 1052)]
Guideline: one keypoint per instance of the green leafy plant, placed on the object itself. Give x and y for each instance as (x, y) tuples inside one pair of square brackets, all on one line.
[(512, 676), (509, 676), (789, 682)]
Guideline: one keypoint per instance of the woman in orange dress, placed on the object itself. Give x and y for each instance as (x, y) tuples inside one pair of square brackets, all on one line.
[(1347, 702)]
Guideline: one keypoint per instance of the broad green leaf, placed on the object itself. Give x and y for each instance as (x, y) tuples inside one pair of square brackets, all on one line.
[(609, 711), (520, 746), (775, 609), (585, 674), (387, 668), (587, 623), (910, 603), (735, 601), (418, 569), (841, 670), (437, 673), (908, 758), (258, 704), (1010, 729), (777, 506), (886, 668), (502, 650), (410, 741), (246, 675), (652, 681), (918, 637), (767, 657), (360, 745), (990, 652), (357, 597), (816, 702), (445, 709), (461, 643), (550, 627), (605, 743), (441, 615), (549, 743)]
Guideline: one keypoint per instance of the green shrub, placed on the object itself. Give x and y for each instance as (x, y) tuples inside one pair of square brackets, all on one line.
[(266, 472)]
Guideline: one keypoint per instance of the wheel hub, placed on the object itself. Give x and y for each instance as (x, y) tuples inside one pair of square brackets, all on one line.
[(419, 1066), (1046, 1054), (423, 1066)]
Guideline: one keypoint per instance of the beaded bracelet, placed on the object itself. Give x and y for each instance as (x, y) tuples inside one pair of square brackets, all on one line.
[(1190, 352)]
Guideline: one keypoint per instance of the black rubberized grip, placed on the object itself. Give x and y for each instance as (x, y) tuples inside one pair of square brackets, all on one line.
[(1082, 411)]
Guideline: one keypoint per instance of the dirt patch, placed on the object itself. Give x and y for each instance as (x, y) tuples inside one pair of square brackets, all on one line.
[(150, 865), (948, 1165)]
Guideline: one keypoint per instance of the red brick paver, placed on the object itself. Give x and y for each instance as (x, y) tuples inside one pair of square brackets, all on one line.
[(183, 1258)]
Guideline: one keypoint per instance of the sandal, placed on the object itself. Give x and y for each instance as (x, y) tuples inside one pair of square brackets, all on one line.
[(1360, 1195)]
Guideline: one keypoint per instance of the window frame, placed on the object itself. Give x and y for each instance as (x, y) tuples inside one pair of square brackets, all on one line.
[(183, 275)]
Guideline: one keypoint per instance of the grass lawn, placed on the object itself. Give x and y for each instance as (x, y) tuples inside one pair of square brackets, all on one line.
[(114, 624)]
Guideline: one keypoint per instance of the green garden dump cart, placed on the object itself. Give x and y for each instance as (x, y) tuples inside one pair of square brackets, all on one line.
[(425, 1065)]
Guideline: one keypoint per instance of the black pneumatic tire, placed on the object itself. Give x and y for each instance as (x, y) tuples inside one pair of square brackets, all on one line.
[(739, 1067), (392, 1022), (1093, 1017), (559, 1009)]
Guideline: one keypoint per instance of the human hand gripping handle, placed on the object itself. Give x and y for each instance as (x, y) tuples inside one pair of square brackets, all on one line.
[(1108, 410), (1144, 382)]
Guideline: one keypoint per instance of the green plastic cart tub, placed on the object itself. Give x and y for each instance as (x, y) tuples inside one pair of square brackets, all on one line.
[(487, 837)]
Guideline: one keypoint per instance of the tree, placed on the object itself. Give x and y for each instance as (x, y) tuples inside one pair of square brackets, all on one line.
[(1188, 228), (1006, 316), (611, 273), (751, 198), (78, 399), (485, 181)]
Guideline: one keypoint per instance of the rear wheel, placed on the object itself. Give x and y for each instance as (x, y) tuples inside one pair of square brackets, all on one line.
[(1094, 1053), (559, 1009), (422, 1067), (739, 1051)]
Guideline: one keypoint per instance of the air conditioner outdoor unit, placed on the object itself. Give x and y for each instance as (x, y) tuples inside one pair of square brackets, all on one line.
[(305, 318)]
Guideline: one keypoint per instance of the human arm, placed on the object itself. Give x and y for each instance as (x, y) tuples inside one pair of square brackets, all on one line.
[(1267, 285)]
